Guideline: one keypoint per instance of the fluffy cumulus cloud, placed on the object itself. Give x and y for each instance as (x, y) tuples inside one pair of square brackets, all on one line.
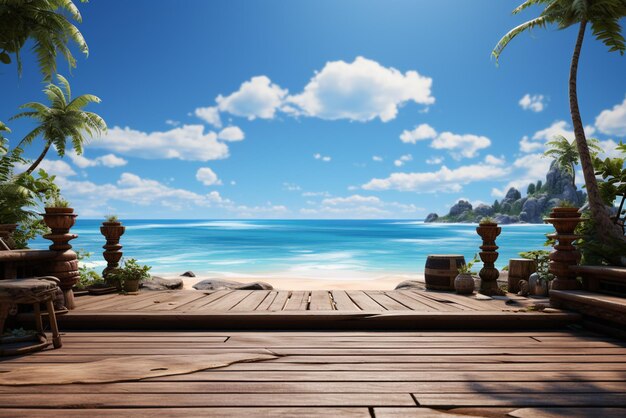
[(210, 115), (361, 90), (535, 103), (377, 158), (53, 167), (324, 158), (525, 170), (613, 121), (358, 206), (207, 177), (560, 127), (231, 134), (108, 160), (256, 98), (434, 160), (443, 180), (188, 142), (402, 160), (421, 132), (493, 160), (460, 146)]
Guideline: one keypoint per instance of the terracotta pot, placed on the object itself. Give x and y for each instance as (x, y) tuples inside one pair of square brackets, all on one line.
[(464, 284), (558, 212), (131, 285), (488, 232), (59, 210), (112, 230)]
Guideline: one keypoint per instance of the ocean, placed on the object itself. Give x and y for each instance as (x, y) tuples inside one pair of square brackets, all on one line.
[(331, 249)]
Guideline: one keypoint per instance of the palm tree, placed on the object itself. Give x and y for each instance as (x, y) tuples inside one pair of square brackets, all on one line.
[(64, 119), (565, 153), (47, 23), (603, 16)]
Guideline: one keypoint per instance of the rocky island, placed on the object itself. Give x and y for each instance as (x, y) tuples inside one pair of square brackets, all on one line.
[(539, 200)]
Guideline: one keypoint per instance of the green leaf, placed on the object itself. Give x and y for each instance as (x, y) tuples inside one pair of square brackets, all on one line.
[(5, 58)]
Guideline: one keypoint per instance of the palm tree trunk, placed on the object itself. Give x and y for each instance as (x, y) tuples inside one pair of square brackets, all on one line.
[(606, 229), (39, 159)]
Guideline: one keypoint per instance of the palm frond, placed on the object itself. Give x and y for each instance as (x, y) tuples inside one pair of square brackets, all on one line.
[(82, 101), (66, 86), (540, 21), (609, 32)]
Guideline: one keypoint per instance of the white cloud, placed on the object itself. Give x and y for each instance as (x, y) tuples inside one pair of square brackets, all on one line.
[(188, 142), (291, 187), (172, 122), (460, 146), (610, 149), (207, 177), (53, 167), (377, 158), (321, 157), (358, 206), (526, 169), (493, 160), (257, 98), (231, 134), (403, 159), (613, 121), (210, 115), (535, 102), (108, 160), (361, 91), (434, 160), (539, 138), (443, 180), (421, 132), (315, 194)]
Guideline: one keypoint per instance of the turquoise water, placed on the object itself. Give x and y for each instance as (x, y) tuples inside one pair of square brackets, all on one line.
[(323, 248)]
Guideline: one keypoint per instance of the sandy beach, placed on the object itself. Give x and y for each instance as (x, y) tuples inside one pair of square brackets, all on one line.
[(354, 281)]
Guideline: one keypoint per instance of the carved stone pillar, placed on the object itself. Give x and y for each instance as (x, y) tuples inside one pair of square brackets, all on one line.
[(489, 274), (112, 231), (564, 254)]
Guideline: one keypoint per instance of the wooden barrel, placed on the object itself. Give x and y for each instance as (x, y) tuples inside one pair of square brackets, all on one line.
[(519, 269), (441, 270)]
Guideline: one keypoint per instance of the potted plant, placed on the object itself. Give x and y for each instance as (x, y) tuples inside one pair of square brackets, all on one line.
[(112, 228), (128, 275), (464, 282), (564, 217), (488, 229), (59, 215), (539, 282)]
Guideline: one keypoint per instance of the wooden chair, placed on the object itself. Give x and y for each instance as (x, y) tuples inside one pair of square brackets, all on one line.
[(33, 291)]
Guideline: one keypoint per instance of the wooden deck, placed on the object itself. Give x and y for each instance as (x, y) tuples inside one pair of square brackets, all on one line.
[(335, 309), (341, 374)]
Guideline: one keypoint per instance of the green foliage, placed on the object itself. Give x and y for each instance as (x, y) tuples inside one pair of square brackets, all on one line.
[(48, 24), (539, 186), (129, 271), (565, 153), (22, 196), (88, 276), (604, 16), (566, 204), (467, 268), (542, 258), (111, 218), (487, 220), (595, 249), (531, 189), (613, 175), (56, 201), (496, 206), (64, 119)]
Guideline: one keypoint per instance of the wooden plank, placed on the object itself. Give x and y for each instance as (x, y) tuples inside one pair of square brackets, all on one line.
[(298, 301), (117, 301), (409, 302), (548, 388), (439, 306), (251, 302), (279, 302), (222, 412), (387, 302), (548, 412), (521, 399), (466, 301), (147, 400), (179, 300), (197, 304), (84, 301), (343, 301), (364, 302), (226, 302), (156, 298), (320, 301), (267, 302)]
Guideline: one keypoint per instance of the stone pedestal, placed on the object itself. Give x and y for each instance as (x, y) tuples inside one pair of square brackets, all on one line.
[(564, 254), (489, 274), (64, 265), (112, 231)]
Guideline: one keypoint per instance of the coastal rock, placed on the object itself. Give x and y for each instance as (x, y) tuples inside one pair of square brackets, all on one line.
[(188, 274), (460, 207), (217, 284), (410, 284), (483, 210), (159, 283), (432, 217), (506, 219), (512, 195)]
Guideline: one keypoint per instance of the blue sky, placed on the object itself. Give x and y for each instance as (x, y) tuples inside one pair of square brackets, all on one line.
[(316, 109)]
